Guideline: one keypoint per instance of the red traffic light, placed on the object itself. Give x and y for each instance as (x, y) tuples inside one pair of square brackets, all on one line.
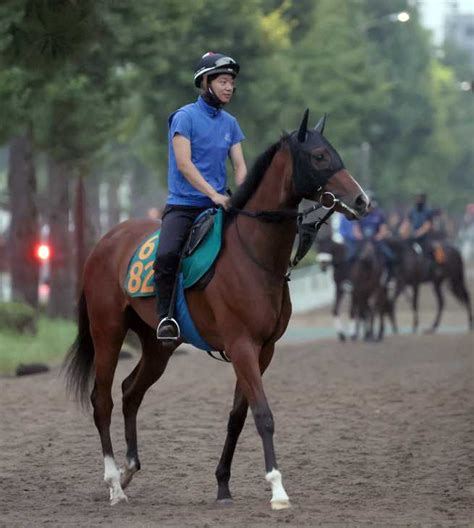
[(43, 252)]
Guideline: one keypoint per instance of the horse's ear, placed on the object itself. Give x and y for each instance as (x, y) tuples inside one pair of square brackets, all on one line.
[(303, 127), (320, 124)]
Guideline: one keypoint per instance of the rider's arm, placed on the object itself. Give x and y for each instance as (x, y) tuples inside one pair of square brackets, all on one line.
[(383, 232), (425, 228), (404, 229), (182, 153), (357, 231), (238, 163)]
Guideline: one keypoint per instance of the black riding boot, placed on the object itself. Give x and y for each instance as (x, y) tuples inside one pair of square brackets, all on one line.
[(165, 282)]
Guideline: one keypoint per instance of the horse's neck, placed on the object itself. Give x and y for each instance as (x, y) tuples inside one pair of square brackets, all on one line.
[(271, 242)]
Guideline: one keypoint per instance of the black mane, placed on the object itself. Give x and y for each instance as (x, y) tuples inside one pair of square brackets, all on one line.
[(245, 191)]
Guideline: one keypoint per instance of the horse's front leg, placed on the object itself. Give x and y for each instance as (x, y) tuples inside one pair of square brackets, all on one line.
[(234, 427), (439, 307), (245, 360), (335, 312)]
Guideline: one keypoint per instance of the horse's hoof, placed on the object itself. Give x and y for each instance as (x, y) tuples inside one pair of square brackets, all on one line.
[(127, 473), (341, 336), (125, 478), (117, 497), (225, 502), (429, 331), (280, 504)]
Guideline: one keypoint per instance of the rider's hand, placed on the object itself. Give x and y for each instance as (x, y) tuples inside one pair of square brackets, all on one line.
[(222, 200)]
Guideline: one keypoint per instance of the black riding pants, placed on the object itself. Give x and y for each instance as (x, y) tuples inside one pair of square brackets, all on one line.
[(176, 225)]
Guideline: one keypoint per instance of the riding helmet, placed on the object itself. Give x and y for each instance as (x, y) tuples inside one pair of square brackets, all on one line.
[(214, 63)]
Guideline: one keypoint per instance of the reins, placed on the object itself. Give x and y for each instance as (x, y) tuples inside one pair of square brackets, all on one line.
[(306, 231)]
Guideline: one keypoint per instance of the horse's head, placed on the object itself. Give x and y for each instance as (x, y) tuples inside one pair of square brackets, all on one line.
[(319, 173)]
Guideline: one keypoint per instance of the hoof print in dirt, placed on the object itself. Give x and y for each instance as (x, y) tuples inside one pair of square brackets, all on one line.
[(31, 368)]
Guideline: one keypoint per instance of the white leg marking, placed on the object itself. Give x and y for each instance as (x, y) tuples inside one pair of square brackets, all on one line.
[(280, 499), (112, 479), (338, 325), (126, 473), (352, 327)]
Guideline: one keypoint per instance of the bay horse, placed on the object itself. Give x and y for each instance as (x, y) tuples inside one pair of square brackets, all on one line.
[(333, 253), (368, 295), (415, 268), (243, 310)]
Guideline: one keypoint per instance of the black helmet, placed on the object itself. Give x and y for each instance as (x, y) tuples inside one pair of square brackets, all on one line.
[(215, 63)]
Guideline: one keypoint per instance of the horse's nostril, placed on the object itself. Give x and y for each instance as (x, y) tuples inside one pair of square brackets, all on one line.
[(361, 201)]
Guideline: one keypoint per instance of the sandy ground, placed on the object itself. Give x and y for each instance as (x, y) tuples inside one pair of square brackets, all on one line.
[(366, 435)]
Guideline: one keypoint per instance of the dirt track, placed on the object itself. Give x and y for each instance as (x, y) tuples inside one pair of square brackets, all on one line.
[(366, 434)]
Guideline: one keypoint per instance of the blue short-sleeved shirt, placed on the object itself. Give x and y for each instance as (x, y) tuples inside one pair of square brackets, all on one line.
[(417, 217), (212, 132), (371, 223), (346, 228)]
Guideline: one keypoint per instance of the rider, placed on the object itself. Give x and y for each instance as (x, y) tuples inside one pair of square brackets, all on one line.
[(346, 230), (374, 227), (200, 138), (419, 225)]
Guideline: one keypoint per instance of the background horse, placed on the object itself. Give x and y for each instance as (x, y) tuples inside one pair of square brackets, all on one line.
[(332, 253), (244, 309), (414, 268), (368, 295)]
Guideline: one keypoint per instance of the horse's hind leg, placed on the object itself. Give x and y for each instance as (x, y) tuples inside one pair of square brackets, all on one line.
[(460, 291), (335, 312), (108, 339), (414, 304), (151, 366)]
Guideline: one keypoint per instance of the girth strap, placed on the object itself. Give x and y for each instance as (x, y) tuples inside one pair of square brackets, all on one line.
[(222, 354)]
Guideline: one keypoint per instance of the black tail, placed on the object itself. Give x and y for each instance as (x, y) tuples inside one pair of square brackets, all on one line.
[(79, 361), (458, 286)]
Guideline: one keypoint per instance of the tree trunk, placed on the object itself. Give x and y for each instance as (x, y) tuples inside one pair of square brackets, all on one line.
[(61, 301), (80, 232), (93, 218), (24, 236), (113, 205)]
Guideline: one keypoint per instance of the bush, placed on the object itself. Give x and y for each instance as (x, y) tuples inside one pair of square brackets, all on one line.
[(18, 317)]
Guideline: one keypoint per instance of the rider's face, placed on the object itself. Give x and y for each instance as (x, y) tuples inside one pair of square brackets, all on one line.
[(420, 199), (223, 87)]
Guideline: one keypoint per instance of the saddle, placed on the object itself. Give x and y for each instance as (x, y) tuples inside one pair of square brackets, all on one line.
[(439, 253), (201, 227)]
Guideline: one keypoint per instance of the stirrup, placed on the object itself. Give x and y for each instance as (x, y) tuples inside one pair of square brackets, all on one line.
[(171, 322)]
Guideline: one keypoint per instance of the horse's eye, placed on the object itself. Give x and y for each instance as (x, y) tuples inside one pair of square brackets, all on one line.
[(319, 157)]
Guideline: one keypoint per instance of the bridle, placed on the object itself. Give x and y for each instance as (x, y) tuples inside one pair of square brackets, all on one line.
[(306, 231)]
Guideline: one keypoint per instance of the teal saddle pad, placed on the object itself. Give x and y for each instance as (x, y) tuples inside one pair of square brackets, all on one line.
[(139, 281)]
